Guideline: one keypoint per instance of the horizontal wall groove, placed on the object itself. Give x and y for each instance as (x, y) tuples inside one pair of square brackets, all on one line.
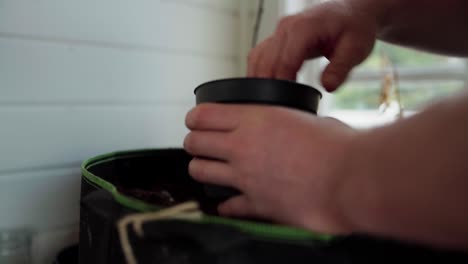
[(40, 169), (206, 6), (133, 47)]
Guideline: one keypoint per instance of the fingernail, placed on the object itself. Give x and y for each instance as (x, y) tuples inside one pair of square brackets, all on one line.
[(188, 118)]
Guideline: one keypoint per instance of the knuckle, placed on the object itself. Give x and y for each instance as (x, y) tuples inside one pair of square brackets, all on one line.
[(235, 146), (285, 22), (293, 23), (291, 63), (287, 65)]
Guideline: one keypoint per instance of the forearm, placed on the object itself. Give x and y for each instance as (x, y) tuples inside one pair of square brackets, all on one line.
[(410, 180), (431, 25)]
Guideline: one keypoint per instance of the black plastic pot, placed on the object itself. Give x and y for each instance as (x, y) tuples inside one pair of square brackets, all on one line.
[(256, 91), (68, 255), (117, 184), (260, 91)]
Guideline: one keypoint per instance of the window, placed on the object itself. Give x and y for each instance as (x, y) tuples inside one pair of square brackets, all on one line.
[(418, 79)]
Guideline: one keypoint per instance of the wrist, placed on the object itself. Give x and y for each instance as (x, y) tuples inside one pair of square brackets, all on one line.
[(358, 199), (346, 175)]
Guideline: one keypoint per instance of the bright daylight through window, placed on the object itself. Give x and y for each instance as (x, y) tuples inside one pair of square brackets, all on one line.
[(396, 81)]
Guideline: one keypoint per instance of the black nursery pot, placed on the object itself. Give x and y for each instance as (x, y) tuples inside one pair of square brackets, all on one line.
[(256, 91), (260, 91)]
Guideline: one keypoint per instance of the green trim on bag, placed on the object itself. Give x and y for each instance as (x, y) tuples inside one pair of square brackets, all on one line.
[(124, 200), (267, 231)]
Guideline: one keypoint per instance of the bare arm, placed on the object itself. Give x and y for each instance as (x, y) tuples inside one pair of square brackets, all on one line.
[(431, 25), (410, 179)]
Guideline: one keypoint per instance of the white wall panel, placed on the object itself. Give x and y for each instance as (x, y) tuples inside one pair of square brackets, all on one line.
[(39, 199), (50, 72), (39, 136), (171, 25)]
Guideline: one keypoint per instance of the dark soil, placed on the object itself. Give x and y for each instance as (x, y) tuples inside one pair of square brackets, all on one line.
[(166, 195)]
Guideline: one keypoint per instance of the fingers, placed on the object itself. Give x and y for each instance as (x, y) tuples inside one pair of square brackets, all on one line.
[(267, 57), (264, 59), (348, 53), (281, 56), (216, 117), (255, 56), (208, 144), (214, 172), (301, 43), (287, 67), (238, 206), (324, 31)]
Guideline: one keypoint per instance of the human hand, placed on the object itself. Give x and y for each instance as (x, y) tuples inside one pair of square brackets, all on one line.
[(285, 162), (338, 30)]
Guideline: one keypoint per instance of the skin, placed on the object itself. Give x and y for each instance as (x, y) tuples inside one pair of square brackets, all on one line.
[(407, 180)]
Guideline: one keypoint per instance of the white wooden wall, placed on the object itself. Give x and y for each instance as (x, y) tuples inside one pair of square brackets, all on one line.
[(81, 78)]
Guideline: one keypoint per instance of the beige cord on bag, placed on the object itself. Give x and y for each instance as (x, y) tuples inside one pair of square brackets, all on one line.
[(187, 211)]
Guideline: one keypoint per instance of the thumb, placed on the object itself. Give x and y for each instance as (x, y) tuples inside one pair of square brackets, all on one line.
[(350, 51)]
